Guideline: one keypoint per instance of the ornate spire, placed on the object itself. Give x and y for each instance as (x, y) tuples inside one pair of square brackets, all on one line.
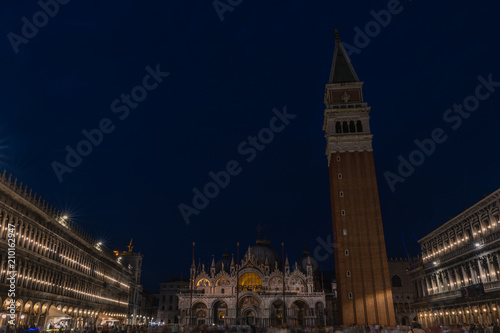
[(192, 264), (213, 262), (342, 70)]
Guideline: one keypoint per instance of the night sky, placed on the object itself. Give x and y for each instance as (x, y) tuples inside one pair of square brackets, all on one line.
[(225, 78)]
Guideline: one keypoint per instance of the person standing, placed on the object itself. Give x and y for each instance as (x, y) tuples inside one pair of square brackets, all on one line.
[(416, 328)]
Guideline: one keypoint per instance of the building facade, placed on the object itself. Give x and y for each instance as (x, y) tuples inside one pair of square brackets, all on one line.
[(363, 284), (168, 305), (402, 290), (258, 290), (56, 272), (457, 279)]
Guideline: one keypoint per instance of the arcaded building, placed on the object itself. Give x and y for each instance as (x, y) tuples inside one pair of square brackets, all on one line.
[(258, 290), (61, 274), (457, 279)]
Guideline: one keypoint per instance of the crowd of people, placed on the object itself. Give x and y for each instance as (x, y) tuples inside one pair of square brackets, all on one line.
[(414, 328)]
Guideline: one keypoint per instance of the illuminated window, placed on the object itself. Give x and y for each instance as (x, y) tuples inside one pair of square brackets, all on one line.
[(250, 282), (345, 232), (203, 283)]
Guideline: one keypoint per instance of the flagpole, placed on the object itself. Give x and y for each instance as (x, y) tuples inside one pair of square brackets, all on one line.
[(283, 267), (237, 282), (191, 287)]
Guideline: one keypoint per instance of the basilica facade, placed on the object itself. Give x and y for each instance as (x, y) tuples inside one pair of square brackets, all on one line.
[(259, 290)]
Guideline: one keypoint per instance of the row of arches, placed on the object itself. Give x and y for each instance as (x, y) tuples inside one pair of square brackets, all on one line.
[(55, 315), (250, 310), (348, 126), (251, 281), (484, 314)]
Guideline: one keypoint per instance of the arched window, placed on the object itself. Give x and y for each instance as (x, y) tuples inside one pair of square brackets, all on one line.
[(396, 281), (345, 127), (352, 128), (338, 127), (359, 126)]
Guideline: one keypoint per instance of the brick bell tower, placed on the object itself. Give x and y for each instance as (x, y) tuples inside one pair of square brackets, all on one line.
[(363, 284)]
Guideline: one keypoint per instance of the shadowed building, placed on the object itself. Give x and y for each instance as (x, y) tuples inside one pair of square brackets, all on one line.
[(362, 276), (402, 290)]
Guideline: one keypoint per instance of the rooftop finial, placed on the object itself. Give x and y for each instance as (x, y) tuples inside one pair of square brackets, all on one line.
[(336, 32), (130, 247)]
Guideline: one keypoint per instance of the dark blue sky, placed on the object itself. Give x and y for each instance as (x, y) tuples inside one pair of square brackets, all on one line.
[(225, 79)]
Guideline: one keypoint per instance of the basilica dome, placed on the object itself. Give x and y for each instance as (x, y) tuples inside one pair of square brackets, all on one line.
[(261, 249), (224, 263)]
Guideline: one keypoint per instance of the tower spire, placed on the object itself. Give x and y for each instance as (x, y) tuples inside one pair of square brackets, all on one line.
[(342, 70)]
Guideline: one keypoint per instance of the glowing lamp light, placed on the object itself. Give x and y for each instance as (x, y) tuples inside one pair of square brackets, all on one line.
[(494, 309), (22, 316), (65, 217), (475, 310), (477, 244), (484, 310)]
